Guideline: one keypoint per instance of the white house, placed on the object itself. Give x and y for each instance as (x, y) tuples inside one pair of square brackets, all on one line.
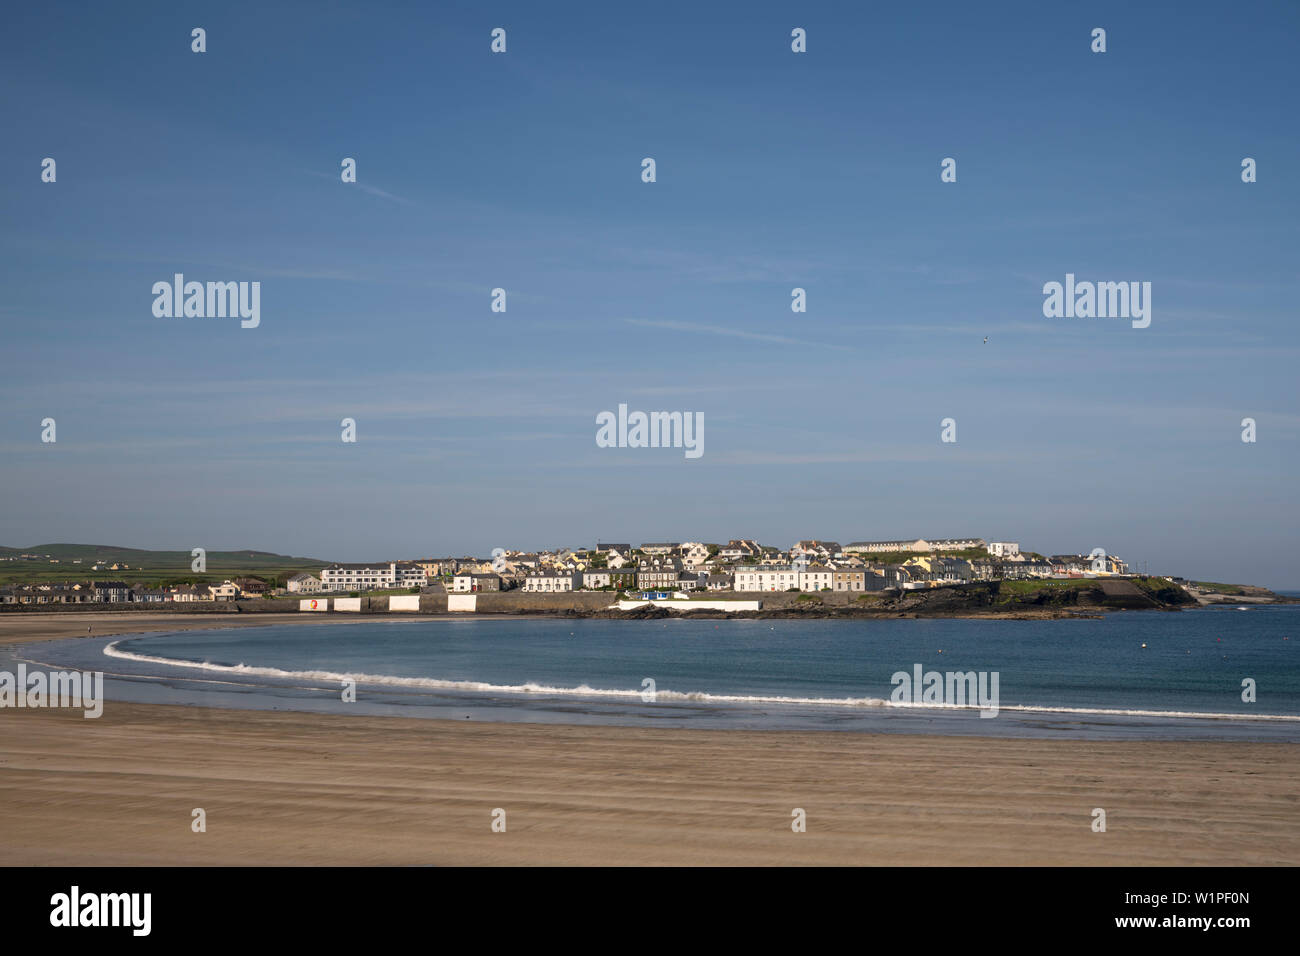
[(226, 591), (470, 581), (815, 578), (552, 581), (660, 547), (596, 578), (694, 553), (303, 583), (1004, 549)]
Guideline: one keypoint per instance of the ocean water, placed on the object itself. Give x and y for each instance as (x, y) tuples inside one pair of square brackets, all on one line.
[(1145, 673)]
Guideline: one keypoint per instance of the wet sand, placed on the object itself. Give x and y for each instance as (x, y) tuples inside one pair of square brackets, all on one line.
[(24, 626)]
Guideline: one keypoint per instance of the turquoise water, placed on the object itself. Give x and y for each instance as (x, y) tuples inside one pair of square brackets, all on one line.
[(777, 673), (1194, 662)]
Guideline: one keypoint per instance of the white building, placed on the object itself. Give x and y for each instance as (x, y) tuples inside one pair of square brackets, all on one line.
[(957, 544), (226, 591), (886, 547), (370, 577), (767, 577), (920, 545), (1004, 549), (596, 578), (466, 582), (660, 547), (694, 553), (815, 578), (551, 582), (303, 583)]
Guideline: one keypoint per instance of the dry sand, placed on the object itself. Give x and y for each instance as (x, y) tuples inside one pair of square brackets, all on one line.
[(308, 789)]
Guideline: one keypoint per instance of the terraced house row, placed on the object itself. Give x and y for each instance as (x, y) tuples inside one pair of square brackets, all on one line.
[(119, 592), (921, 572)]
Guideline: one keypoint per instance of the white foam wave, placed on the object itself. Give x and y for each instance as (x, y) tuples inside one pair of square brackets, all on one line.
[(582, 690)]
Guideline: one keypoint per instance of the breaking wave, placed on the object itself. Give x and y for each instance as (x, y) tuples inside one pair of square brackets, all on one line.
[(582, 690)]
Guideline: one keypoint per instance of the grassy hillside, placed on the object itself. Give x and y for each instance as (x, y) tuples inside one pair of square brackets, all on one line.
[(1218, 588), (1102, 592), (56, 563)]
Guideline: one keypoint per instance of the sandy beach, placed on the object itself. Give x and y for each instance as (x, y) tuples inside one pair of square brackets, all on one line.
[(288, 788)]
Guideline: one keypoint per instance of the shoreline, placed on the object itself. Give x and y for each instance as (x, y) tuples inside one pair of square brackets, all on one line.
[(140, 678)]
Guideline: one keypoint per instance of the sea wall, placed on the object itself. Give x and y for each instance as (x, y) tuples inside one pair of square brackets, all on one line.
[(675, 605)]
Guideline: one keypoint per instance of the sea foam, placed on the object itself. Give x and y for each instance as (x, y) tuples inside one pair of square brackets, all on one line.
[(582, 690)]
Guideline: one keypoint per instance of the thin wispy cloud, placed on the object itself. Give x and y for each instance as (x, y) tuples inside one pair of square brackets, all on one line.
[(363, 186), (732, 333)]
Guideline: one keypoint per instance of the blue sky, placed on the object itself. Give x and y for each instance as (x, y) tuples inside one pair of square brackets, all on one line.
[(775, 170)]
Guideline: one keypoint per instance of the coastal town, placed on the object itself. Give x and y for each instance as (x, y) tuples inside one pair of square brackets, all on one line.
[(740, 566)]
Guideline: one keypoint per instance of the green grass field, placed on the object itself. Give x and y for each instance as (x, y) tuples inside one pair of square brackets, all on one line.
[(150, 568), (1009, 592), (1040, 584), (1217, 588)]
